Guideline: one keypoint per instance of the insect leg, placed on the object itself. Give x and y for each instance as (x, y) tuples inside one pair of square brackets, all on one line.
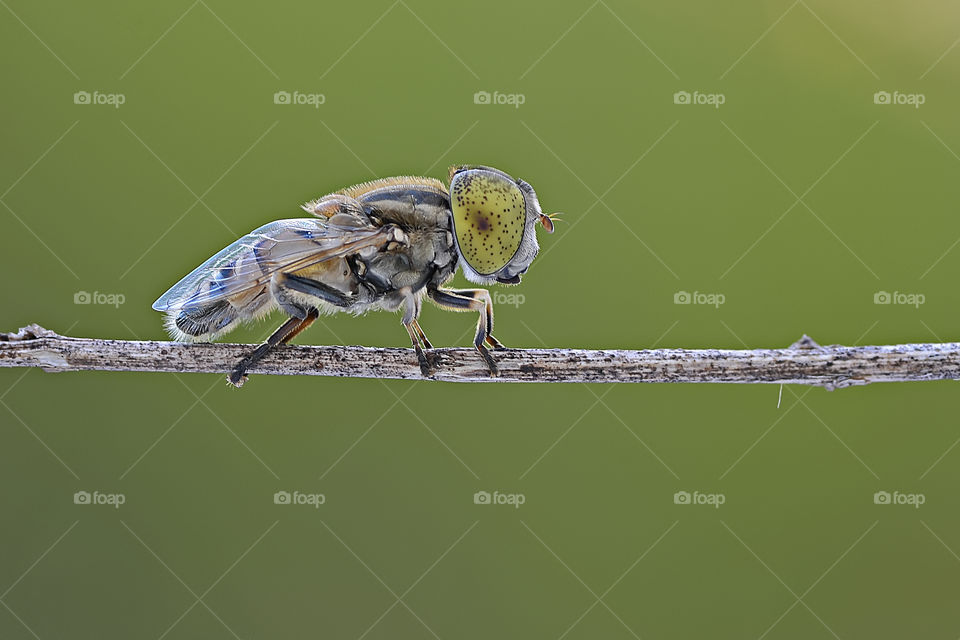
[(423, 337), (419, 340), (287, 331), (302, 317), (472, 300), (314, 288), (482, 296)]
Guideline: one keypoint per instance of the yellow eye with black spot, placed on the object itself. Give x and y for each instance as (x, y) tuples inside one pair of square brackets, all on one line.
[(489, 213)]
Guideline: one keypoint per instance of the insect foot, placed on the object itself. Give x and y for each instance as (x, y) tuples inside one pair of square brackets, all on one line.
[(237, 377), (491, 364), (428, 364)]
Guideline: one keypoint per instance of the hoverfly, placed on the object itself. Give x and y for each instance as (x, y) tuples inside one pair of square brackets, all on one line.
[(383, 244)]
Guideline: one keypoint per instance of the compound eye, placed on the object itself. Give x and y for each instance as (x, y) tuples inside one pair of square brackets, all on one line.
[(489, 214)]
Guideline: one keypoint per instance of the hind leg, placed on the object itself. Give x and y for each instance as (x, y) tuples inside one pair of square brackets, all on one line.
[(302, 317), (287, 332)]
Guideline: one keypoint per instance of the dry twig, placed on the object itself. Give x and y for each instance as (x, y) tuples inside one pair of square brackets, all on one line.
[(805, 362)]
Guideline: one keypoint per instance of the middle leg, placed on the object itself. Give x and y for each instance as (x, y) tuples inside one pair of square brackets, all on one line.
[(418, 338)]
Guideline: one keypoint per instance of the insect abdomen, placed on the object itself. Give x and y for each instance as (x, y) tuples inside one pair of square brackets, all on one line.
[(213, 319), (208, 319)]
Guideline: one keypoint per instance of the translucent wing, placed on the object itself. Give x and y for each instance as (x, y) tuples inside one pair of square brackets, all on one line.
[(283, 245)]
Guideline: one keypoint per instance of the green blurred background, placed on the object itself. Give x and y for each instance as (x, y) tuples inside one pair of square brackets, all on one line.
[(798, 200)]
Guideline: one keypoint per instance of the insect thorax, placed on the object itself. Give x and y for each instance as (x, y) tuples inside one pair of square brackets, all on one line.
[(422, 211)]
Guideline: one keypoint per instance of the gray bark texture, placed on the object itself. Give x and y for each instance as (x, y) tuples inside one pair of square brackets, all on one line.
[(805, 362)]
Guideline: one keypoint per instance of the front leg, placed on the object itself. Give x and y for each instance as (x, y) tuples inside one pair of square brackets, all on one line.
[(472, 300)]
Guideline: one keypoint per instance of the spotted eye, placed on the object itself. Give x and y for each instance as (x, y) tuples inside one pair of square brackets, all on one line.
[(489, 213)]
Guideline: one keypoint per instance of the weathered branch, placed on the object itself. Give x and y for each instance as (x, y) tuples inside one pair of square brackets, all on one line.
[(804, 362)]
